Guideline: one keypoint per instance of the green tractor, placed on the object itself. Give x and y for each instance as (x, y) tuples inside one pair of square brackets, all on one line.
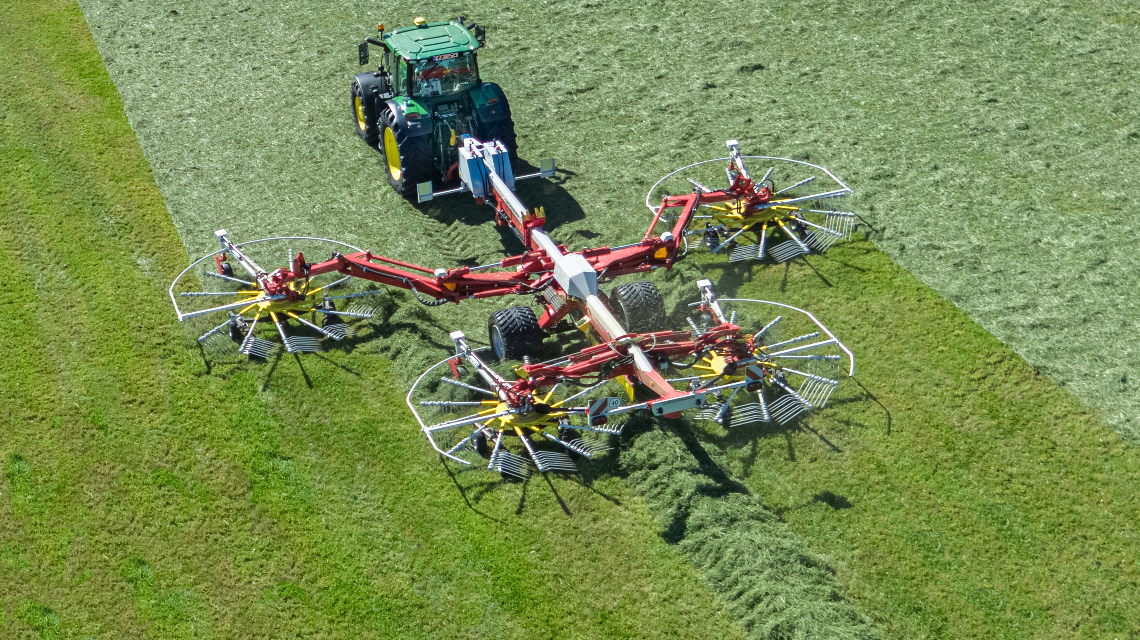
[(425, 94)]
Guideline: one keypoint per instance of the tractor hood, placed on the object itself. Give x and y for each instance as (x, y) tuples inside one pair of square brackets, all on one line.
[(433, 39)]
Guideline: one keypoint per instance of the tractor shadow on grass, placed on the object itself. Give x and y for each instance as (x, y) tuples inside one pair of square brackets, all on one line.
[(559, 206)]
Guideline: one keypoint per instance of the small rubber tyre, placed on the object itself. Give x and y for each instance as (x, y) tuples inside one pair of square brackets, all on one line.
[(638, 306), (329, 318), (237, 329), (407, 160), (503, 131), (364, 123), (566, 434), (514, 333), (712, 239), (480, 444), (227, 270)]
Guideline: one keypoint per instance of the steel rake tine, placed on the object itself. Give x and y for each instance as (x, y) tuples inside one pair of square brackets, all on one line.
[(248, 339), (462, 443), (340, 282), (230, 278), (798, 184), (821, 227), (767, 175), (768, 327), (310, 325), (788, 250), (806, 336), (469, 387), (805, 347), (785, 408), (342, 313), (792, 392), (724, 408), (361, 294), (206, 336), (833, 212), (228, 307), (289, 347), (203, 294), (812, 376), (837, 193), (730, 239), (495, 450)]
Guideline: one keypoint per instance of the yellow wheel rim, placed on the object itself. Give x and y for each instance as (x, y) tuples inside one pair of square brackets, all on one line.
[(359, 107), (392, 154)]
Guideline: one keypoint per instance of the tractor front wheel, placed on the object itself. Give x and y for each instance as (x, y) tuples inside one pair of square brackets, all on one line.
[(406, 159), (514, 333), (365, 126), (639, 306)]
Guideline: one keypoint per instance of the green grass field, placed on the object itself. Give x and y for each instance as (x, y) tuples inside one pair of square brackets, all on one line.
[(951, 491)]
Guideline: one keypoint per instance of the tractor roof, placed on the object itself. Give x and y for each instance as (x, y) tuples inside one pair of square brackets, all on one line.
[(432, 39)]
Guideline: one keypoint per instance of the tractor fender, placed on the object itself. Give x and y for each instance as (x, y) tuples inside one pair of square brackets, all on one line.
[(373, 88), (490, 102), (415, 128)]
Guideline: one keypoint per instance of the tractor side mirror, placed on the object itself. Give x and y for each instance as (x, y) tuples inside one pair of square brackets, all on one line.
[(480, 33), (362, 53)]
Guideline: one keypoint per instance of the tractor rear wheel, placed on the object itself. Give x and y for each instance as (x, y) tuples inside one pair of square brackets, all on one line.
[(503, 131), (514, 333), (406, 159), (365, 126), (639, 306)]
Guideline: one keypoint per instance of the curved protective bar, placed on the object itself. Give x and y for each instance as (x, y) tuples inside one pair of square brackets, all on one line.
[(653, 189), (424, 427), (174, 299), (842, 347)]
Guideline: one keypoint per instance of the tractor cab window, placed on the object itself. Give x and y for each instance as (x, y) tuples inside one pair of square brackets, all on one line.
[(401, 77), (444, 74)]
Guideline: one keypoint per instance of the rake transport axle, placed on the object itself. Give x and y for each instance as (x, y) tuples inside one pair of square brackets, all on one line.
[(726, 359)]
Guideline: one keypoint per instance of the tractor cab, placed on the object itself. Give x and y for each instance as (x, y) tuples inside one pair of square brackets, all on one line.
[(428, 60), (424, 96)]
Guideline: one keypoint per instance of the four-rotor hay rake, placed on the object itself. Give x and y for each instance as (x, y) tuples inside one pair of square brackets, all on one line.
[(543, 415), (788, 211)]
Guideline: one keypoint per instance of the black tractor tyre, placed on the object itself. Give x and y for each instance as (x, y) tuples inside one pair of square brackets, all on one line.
[(503, 131), (407, 160), (514, 333), (364, 123), (639, 306)]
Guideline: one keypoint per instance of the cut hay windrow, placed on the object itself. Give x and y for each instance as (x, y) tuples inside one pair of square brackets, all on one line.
[(773, 584)]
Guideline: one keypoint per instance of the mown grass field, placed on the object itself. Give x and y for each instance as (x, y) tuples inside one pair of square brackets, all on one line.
[(955, 491)]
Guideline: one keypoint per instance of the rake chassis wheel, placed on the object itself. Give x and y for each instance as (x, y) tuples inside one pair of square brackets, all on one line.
[(514, 333), (639, 306)]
